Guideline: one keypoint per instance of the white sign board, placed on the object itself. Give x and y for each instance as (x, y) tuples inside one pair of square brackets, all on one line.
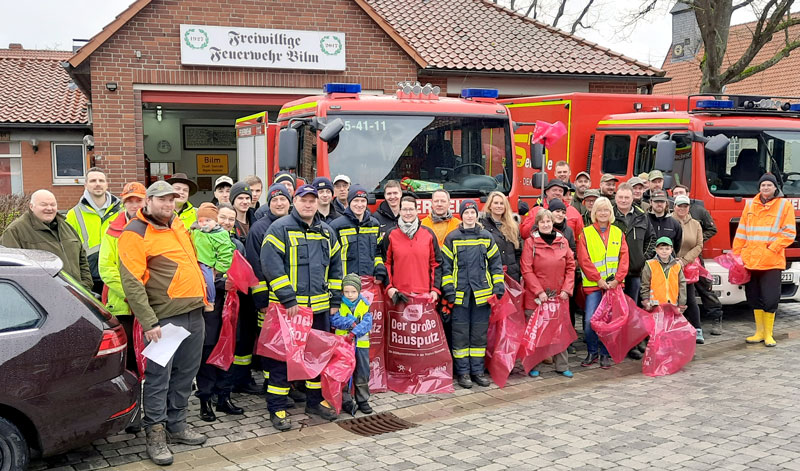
[(262, 48)]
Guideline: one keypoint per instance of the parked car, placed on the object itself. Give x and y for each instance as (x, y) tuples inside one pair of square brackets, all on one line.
[(63, 381)]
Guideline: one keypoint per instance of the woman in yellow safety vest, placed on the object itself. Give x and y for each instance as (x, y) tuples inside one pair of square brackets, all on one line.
[(603, 258), (765, 230)]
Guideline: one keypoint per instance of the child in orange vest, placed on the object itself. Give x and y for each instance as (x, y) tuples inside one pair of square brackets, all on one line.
[(662, 278)]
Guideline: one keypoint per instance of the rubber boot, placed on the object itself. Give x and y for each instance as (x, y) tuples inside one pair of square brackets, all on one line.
[(769, 322), (758, 337)]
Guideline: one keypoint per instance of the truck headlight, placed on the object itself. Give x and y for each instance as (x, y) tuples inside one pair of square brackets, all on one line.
[(716, 280)]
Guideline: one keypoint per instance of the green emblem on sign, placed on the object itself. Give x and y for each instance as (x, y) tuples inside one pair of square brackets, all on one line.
[(330, 45), (196, 38)]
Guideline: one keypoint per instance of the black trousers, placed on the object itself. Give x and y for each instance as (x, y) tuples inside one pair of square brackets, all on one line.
[(711, 303), (210, 379), (692, 312), (246, 335), (763, 291)]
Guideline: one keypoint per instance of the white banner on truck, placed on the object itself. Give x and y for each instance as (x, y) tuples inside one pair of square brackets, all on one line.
[(224, 46)]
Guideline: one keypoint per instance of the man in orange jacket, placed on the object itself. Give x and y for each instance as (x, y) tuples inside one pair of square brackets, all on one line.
[(441, 219), (765, 230)]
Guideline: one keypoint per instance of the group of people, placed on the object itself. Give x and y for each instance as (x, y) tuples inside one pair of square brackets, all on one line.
[(155, 258)]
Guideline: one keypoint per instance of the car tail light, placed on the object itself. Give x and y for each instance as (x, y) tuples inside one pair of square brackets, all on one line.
[(114, 340), (124, 411)]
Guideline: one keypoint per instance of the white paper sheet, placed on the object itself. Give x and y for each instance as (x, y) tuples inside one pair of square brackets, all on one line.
[(161, 352)]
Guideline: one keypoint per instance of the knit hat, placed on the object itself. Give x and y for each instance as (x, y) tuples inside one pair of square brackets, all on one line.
[(556, 204), (239, 188), (352, 280), (323, 183), (207, 210), (283, 176), (356, 191), (468, 204), (278, 189), (768, 177)]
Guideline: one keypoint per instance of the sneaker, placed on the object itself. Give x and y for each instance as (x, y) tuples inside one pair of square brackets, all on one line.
[(566, 374), (605, 362), (716, 327), (157, 448), (322, 410), (365, 408), (700, 339), (534, 374), (591, 358), (481, 380), (187, 436), (465, 381), (280, 420)]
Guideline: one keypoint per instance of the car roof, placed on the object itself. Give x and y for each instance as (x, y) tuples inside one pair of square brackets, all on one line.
[(41, 259)]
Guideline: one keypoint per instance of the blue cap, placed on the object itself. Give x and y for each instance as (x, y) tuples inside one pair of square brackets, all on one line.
[(306, 190), (322, 183)]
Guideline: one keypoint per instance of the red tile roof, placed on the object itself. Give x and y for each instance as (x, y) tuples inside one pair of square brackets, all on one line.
[(778, 80), (479, 35), (36, 89)]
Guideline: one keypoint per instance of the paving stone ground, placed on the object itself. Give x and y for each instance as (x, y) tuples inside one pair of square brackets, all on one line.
[(734, 407)]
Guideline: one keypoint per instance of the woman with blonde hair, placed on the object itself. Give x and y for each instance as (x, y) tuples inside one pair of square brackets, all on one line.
[(498, 219), (603, 259)]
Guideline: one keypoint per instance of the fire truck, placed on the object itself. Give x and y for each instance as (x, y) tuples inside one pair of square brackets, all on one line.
[(717, 146)]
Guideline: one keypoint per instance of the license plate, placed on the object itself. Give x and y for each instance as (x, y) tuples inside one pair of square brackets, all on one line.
[(786, 277)]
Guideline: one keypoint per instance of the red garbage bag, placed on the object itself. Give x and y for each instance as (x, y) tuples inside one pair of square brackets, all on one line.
[(620, 324), (418, 360), (241, 273), (337, 373), (737, 273), (693, 271), (138, 346), (372, 292), (672, 343), (222, 354), (549, 332), (506, 326)]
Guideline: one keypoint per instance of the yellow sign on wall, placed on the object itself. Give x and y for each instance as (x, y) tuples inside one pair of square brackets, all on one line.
[(212, 164)]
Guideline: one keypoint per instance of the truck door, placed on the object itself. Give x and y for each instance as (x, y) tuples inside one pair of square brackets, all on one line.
[(646, 157), (615, 157)]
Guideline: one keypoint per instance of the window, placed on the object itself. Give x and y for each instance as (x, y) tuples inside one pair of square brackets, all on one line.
[(307, 163), (10, 168), (16, 312), (615, 154), (69, 163), (682, 167)]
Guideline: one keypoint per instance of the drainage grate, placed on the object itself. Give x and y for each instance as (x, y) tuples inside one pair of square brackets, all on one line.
[(376, 424)]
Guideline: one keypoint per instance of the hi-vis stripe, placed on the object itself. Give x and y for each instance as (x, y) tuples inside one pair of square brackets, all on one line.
[(276, 390), (243, 360), (262, 286), (766, 233), (303, 106), (609, 122), (280, 282)]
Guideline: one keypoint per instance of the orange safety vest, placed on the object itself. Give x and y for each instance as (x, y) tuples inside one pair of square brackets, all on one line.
[(664, 288)]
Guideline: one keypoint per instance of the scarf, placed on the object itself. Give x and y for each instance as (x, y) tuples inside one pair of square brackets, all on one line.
[(437, 219), (548, 238), (408, 228)]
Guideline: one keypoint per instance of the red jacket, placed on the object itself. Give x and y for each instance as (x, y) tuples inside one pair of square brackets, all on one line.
[(546, 267), (574, 221), (587, 267), (414, 265)]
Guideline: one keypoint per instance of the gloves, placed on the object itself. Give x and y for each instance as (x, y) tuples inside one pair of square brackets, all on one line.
[(446, 308), (399, 298)]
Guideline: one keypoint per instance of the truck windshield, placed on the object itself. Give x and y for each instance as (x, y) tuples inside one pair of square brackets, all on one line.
[(464, 155), (750, 154)]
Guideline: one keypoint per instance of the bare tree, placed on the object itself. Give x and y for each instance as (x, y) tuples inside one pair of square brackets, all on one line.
[(564, 12)]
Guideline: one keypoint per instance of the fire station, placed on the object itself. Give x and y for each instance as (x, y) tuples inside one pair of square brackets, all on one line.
[(167, 79)]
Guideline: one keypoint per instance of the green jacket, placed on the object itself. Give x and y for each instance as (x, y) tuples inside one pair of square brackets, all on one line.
[(91, 225), (28, 232), (214, 249), (108, 265)]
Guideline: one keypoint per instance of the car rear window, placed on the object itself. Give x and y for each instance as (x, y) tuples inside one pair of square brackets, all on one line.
[(16, 311), (86, 297)]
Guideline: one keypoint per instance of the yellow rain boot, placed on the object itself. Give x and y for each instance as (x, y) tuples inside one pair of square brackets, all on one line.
[(769, 321), (758, 337)]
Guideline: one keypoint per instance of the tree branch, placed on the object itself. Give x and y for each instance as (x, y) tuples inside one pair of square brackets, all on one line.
[(790, 46), (742, 5), (577, 21), (559, 13), (532, 7)]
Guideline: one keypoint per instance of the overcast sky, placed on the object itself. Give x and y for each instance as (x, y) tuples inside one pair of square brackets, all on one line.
[(53, 24)]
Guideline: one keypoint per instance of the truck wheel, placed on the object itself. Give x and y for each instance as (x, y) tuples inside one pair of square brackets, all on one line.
[(14, 451)]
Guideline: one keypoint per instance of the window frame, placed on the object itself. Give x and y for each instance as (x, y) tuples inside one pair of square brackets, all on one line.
[(627, 153), (76, 180), (15, 158), (31, 302)]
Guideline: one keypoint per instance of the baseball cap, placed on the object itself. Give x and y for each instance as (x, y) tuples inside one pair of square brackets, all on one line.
[(223, 180), (341, 177), (664, 240), (635, 181), (659, 195), (558, 183), (160, 188), (583, 174), (591, 193), (607, 177), (682, 199), (133, 189), (655, 174), (306, 190)]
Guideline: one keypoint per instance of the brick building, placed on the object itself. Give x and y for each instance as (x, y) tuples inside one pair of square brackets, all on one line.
[(158, 105)]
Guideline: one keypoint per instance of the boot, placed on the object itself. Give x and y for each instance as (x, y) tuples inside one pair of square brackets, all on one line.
[(769, 322), (280, 421), (157, 445), (365, 408), (206, 411), (323, 410), (605, 362), (590, 359), (758, 337), (716, 327), (481, 380), (227, 406), (465, 381), (700, 339), (187, 436)]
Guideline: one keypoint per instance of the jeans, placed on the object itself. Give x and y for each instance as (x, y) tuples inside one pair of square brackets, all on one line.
[(592, 301), (633, 284)]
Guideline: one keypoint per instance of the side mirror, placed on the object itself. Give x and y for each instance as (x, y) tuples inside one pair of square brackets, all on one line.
[(288, 148), (668, 181), (665, 155), (717, 144), (331, 130), (371, 199), (537, 156), (539, 180)]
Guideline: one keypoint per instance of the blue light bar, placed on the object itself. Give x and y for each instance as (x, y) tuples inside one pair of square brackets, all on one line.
[(715, 104), (479, 93), (795, 107), (342, 88)]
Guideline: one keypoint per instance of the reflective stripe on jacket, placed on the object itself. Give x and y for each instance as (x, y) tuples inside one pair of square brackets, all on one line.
[(605, 259), (91, 226), (362, 309), (108, 266), (764, 232), (472, 264), (358, 240)]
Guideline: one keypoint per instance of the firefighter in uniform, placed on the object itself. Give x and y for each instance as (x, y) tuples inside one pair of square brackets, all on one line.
[(298, 260), (473, 272), (357, 234)]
